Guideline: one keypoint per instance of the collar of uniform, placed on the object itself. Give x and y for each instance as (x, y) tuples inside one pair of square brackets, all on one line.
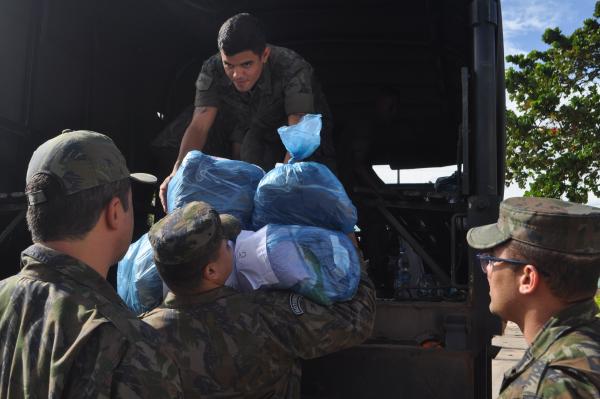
[(264, 82), (564, 321), (40, 261), (174, 301), (558, 325)]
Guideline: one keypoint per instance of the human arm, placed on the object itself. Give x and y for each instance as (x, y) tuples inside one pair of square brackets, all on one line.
[(194, 138), (298, 90), (311, 330)]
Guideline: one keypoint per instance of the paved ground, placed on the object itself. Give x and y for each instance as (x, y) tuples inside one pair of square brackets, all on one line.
[(513, 347)]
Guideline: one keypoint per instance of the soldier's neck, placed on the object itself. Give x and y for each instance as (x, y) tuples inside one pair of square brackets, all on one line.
[(93, 256), (535, 315)]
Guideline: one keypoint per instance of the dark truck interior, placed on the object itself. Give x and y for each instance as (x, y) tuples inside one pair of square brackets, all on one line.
[(404, 81)]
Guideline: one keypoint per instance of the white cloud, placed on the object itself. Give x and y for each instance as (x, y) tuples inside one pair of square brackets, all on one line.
[(525, 21), (525, 16)]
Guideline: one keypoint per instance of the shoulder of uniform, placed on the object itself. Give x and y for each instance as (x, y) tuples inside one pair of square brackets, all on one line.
[(212, 65), (286, 58), (566, 382), (11, 282), (580, 342)]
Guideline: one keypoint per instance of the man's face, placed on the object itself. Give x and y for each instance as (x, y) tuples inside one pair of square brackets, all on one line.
[(244, 69), (503, 279)]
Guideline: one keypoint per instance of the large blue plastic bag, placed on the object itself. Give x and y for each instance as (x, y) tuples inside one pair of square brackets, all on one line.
[(138, 281), (321, 264), (227, 185), (303, 193), (303, 138)]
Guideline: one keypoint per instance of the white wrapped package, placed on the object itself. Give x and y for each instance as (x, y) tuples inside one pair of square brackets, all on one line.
[(318, 263)]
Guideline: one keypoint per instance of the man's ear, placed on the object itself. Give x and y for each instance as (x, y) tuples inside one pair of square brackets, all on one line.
[(529, 280), (265, 55), (210, 272), (113, 213)]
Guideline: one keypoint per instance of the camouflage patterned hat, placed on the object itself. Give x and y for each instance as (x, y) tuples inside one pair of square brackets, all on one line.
[(542, 222), (79, 160), (182, 235)]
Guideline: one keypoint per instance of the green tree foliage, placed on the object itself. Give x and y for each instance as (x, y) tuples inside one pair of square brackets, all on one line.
[(553, 138)]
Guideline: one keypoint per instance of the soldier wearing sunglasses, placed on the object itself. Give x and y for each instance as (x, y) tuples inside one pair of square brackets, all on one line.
[(542, 261)]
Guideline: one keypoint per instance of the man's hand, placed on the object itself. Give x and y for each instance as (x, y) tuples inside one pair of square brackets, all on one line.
[(194, 138), (162, 192)]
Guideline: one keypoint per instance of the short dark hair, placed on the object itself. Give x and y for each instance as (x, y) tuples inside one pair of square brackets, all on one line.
[(242, 32), (188, 275), (569, 276), (70, 217)]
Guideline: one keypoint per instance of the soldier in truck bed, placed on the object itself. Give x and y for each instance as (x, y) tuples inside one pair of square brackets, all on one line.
[(244, 93)]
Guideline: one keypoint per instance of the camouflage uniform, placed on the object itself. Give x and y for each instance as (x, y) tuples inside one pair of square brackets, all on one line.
[(64, 332), (564, 358), (563, 361), (246, 345), (286, 86)]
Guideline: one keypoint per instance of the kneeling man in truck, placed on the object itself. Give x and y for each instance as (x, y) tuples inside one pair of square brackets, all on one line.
[(245, 92)]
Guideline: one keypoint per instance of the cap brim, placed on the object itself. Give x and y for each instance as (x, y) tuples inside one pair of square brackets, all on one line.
[(486, 237), (145, 178), (231, 226)]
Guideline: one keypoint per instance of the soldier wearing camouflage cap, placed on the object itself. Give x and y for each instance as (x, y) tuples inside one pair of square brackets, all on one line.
[(542, 261), (232, 344), (65, 331)]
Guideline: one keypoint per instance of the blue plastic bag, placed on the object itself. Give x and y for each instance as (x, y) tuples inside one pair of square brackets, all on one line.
[(227, 185), (138, 281), (321, 264), (303, 193), (303, 138)]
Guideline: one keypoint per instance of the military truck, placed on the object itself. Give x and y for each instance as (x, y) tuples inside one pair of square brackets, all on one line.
[(411, 85)]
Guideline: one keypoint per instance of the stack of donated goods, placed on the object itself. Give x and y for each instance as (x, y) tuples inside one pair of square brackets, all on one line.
[(295, 225), (227, 185)]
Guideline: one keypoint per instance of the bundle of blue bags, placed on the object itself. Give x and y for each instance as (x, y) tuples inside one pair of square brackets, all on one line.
[(300, 210), (138, 282), (228, 185)]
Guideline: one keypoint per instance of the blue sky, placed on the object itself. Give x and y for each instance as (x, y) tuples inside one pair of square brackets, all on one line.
[(524, 23), (526, 20)]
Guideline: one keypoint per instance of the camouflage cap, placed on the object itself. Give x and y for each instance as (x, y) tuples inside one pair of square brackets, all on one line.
[(542, 222), (79, 160), (182, 235)]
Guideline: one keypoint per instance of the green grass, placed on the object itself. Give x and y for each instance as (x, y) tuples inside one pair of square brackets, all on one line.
[(598, 298)]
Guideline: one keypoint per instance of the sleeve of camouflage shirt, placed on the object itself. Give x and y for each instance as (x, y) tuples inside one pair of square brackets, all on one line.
[(298, 91), (206, 88), (127, 369), (311, 330)]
